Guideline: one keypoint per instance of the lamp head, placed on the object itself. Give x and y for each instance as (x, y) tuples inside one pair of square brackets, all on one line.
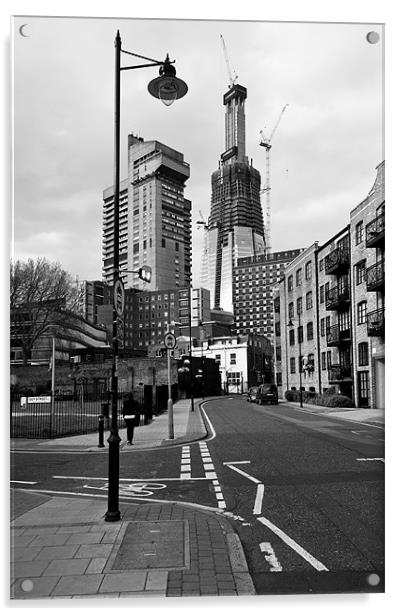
[(167, 87)]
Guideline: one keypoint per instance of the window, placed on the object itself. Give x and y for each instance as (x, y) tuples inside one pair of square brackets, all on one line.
[(292, 337), (309, 331), (362, 312), (278, 353), (163, 243), (324, 365), (298, 277), (279, 378), (300, 334), (299, 305), (359, 233), (218, 359), (327, 323), (290, 283), (277, 328), (321, 265), (321, 294), (292, 365), (328, 359), (322, 327), (311, 361), (363, 354), (233, 358), (360, 272), (291, 310), (308, 270), (309, 300)]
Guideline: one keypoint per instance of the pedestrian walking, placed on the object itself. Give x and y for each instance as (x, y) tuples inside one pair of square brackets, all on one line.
[(131, 416)]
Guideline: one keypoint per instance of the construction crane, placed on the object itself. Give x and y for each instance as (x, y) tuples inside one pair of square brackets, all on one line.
[(201, 222), (266, 143), (232, 75)]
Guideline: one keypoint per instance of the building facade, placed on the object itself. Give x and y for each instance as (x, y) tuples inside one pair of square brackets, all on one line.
[(235, 226), (243, 360), (254, 279), (334, 293), (155, 218)]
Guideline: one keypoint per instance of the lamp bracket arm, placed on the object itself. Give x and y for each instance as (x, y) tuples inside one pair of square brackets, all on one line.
[(128, 68)]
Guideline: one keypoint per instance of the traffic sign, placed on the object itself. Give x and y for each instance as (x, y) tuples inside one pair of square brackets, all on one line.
[(170, 341), (119, 297)]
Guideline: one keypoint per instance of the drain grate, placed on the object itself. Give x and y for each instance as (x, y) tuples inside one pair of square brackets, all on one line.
[(154, 545)]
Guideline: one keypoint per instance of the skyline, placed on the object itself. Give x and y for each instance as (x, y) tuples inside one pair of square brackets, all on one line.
[(323, 155)]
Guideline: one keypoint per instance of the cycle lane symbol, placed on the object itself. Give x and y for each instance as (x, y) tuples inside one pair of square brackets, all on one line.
[(137, 488)]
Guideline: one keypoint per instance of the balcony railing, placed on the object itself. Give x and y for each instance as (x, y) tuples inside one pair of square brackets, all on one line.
[(337, 296), (374, 232), (339, 373), (375, 323), (375, 276), (337, 260), (336, 336)]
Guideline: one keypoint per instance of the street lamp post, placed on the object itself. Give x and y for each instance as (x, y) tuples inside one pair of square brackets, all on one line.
[(167, 87), (291, 324)]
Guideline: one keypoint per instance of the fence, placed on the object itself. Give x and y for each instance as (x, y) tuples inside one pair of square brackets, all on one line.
[(76, 414)]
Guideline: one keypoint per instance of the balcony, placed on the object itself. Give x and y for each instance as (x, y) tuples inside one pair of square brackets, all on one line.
[(337, 297), (337, 261), (374, 232), (338, 373), (375, 277), (337, 337), (375, 323)]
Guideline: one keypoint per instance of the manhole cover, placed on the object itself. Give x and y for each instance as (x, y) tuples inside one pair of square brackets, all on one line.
[(154, 545)]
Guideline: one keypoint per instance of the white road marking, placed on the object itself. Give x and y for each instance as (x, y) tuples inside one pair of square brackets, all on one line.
[(292, 544), (270, 557), (238, 470), (239, 462), (31, 483), (125, 479), (185, 468), (370, 460), (257, 508)]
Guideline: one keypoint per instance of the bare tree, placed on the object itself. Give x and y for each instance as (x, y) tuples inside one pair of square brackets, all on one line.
[(43, 299)]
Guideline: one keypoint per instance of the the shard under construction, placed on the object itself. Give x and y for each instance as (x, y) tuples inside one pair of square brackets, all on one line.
[(235, 225)]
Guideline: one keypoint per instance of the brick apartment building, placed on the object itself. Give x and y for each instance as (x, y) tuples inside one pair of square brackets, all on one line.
[(329, 310)]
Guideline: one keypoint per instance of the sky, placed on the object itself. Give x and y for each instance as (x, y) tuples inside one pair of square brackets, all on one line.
[(323, 155)]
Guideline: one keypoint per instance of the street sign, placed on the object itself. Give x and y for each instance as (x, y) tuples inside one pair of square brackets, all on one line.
[(119, 297), (170, 341)]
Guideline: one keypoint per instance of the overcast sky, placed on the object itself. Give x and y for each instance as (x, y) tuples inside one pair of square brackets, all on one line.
[(323, 155)]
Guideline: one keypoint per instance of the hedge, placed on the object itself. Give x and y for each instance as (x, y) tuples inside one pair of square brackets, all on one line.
[(329, 398)]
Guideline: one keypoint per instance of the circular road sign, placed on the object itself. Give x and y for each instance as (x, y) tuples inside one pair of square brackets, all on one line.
[(119, 297), (170, 341)]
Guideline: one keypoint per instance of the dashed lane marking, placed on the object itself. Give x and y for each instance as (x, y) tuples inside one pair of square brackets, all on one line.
[(316, 564), (210, 473), (270, 557)]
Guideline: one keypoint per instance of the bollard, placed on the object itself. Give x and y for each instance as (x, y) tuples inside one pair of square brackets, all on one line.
[(101, 431)]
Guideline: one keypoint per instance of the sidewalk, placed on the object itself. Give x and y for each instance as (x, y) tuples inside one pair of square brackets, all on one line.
[(370, 416), (188, 427), (62, 548)]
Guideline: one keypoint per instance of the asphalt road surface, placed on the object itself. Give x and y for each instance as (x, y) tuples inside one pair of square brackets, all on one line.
[(305, 491)]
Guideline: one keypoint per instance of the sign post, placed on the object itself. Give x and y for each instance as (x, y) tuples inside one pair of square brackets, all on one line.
[(170, 342)]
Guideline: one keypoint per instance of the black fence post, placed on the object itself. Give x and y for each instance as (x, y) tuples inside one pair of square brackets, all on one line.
[(101, 431)]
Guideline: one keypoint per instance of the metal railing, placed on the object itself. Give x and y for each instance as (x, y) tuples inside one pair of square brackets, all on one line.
[(32, 417), (337, 296), (374, 231), (375, 276), (339, 373), (375, 323), (337, 259)]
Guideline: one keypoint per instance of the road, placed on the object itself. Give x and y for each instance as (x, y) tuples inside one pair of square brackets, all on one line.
[(304, 491)]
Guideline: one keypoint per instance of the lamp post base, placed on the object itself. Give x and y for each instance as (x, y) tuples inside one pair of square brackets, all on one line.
[(112, 516)]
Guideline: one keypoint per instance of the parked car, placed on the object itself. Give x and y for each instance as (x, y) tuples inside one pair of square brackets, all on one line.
[(251, 394), (267, 392)]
